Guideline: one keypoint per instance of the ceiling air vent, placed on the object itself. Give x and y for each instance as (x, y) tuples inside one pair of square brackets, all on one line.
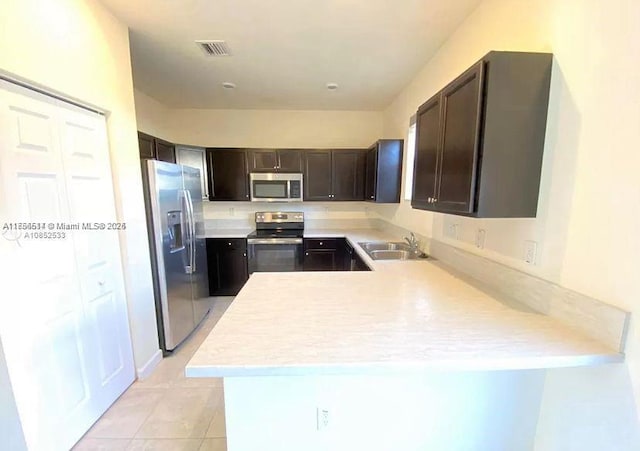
[(214, 48)]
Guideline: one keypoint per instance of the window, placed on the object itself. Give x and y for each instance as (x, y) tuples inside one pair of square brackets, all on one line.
[(410, 152)]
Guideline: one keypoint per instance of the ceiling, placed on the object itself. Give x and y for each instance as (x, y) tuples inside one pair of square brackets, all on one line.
[(284, 52)]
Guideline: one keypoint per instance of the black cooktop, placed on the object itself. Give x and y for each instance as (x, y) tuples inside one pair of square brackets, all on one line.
[(277, 233)]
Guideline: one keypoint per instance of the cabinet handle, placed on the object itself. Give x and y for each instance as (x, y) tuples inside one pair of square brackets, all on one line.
[(321, 243), (306, 253), (244, 254), (371, 197), (229, 244)]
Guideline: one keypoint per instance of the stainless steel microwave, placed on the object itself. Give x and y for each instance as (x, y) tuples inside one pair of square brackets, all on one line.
[(272, 187)]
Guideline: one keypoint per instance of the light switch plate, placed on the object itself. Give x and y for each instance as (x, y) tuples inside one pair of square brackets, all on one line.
[(480, 235), (530, 251)]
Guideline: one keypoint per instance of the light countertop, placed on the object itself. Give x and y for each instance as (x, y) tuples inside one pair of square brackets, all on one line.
[(402, 316), (228, 233)]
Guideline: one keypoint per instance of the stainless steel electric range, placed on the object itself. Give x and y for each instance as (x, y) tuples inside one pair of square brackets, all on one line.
[(277, 244)]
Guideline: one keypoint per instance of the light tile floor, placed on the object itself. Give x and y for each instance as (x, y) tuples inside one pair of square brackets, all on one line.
[(167, 411)]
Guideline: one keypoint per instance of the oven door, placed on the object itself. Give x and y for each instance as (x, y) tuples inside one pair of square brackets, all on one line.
[(275, 254)]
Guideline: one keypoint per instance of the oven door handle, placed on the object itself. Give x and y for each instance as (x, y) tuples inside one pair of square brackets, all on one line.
[(274, 241)]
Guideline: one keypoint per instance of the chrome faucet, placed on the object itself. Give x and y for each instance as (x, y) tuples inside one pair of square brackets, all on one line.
[(414, 246)]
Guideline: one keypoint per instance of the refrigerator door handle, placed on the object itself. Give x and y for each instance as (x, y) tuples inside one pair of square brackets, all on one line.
[(192, 232), (188, 269)]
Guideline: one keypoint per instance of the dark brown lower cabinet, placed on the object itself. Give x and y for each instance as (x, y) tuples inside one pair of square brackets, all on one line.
[(359, 264), (331, 254), (352, 261), (322, 254), (227, 261)]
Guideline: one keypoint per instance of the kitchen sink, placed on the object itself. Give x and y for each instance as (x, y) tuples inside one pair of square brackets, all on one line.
[(390, 251), (384, 246)]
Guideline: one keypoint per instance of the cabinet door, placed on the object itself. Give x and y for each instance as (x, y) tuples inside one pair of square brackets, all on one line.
[(289, 160), (228, 174), (359, 264), (263, 160), (195, 158), (370, 174), (165, 151), (348, 175), (317, 175), (227, 266), (147, 145), (425, 169), (461, 103), (321, 260)]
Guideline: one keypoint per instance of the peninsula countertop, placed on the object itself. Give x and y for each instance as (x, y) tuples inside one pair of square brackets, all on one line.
[(401, 316)]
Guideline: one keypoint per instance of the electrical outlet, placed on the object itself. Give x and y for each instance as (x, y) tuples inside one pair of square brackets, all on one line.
[(456, 231), (452, 230), (530, 250), (322, 418), (480, 234)]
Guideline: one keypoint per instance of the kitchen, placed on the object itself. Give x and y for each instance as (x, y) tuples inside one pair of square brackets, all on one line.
[(584, 228)]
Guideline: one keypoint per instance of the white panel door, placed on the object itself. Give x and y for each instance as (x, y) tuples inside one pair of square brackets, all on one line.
[(90, 192), (62, 308)]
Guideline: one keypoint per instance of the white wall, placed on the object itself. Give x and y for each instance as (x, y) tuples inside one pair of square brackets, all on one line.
[(151, 115), (258, 128), (275, 128), (78, 49), (589, 208), (10, 427)]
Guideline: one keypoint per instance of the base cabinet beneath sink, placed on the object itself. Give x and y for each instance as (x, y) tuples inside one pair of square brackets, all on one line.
[(358, 263), (331, 254)]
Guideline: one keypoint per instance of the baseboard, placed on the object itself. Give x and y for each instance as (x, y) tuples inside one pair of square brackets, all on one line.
[(147, 368)]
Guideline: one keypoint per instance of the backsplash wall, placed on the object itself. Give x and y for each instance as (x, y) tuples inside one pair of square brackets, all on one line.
[(317, 214)]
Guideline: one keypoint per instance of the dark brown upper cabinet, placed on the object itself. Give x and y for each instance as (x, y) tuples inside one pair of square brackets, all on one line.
[(348, 174), (275, 160), (165, 151), (317, 175), (479, 141), (334, 174), (147, 146), (263, 160), (289, 160), (228, 174), (425, 167), (461, 102), (153, 148), (383, 174)]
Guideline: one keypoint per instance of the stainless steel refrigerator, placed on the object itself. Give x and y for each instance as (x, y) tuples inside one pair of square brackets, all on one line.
[(173, 197)]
